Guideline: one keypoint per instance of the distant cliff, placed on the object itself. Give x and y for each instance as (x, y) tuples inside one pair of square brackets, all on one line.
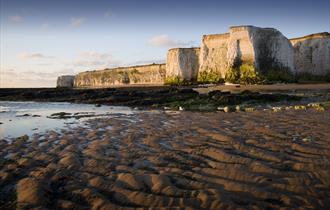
[(183, 63), (142, 75), (65, 81)]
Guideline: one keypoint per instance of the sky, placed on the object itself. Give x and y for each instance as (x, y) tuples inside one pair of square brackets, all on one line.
[(40, 39)]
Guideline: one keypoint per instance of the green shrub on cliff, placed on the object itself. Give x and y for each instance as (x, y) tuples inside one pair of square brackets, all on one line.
[(209, 77), (175, 80), (249, 75), (232, 75)]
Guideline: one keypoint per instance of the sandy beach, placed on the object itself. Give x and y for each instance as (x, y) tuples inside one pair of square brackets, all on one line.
[(174, 160)]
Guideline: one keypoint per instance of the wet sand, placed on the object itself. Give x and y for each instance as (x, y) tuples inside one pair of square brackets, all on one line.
[(174, 160)]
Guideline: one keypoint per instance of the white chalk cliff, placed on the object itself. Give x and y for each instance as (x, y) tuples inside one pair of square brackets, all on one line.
[(265, 49), (65, 81), (312, 54)]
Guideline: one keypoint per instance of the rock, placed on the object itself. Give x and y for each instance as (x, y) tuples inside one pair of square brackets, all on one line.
[(65, 81), (226, 109), (316, 106), (311, 55), (31, 192), (249, 109), (60, 115), (267, 48), (307, 139), (23, 138), (276, 108), (300, 107), (288, 107), (23, 115), (320, 109), (182, 63), (144, 74)]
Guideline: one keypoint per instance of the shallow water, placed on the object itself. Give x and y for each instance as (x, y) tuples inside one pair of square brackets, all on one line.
[(20, 118)]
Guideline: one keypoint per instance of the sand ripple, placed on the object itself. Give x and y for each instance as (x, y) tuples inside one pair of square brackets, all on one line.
[(163, 160)]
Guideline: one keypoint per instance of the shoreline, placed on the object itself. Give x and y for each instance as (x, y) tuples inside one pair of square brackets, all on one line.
[(198, 98)]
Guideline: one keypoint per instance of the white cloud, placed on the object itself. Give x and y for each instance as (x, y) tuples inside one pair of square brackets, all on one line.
[(95, 60), (16, 18), (30, 78), (77, 21), (164, 40), (26, 55)]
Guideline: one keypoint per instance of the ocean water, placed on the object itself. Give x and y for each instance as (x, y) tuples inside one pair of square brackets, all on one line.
[(26, 118)]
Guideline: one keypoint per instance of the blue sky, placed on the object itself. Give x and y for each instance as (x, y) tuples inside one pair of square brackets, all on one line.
[(42, 39)]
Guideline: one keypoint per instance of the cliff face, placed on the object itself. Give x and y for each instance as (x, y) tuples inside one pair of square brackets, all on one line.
[(264, 48), (242, 55), (146, 74), (183, 63), (312, 54), (65, 81), (213, 55)]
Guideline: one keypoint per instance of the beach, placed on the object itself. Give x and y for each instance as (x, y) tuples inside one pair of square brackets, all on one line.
[(172, 160)]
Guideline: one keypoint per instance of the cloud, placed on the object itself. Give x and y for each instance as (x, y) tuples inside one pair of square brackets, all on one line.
[(30, 78), (77, 21), (164, 40), (91, 59), (16, 18), (8, 72), (26, 55)]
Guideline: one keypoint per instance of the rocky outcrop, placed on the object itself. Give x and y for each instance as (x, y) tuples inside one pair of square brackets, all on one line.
[(183, 63), (312, 54), (213, 55), (264, 48), (65, 81), (139, 75)]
